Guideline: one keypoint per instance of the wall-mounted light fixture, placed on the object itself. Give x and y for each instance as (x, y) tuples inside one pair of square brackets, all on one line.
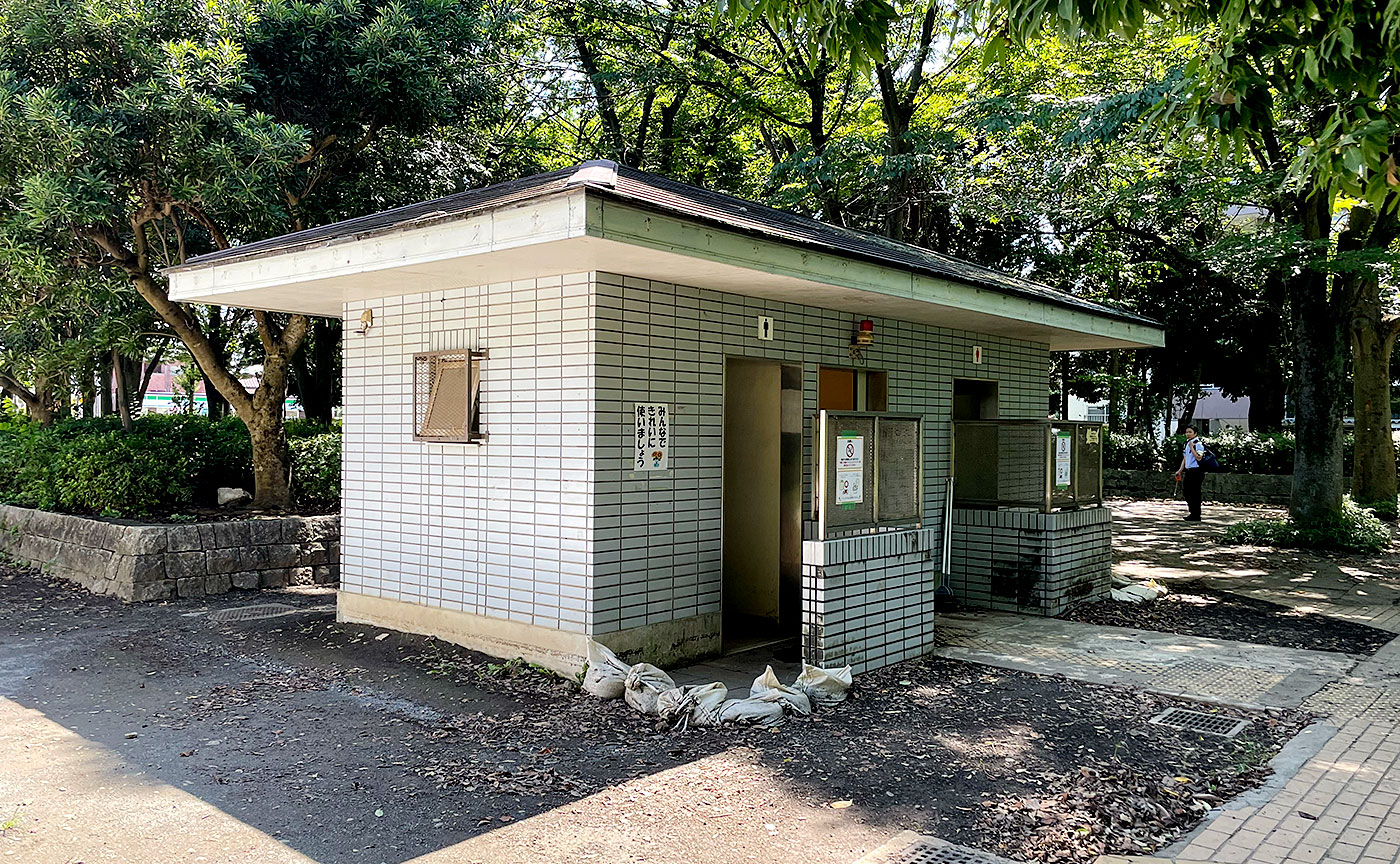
[(366, 321), (862, 338)]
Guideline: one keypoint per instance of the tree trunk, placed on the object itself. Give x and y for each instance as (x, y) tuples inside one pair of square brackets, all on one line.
[(123, 400), (1319, 381), (1372, 339), (272, 459), (216, 406), (106, 405), (152, 365), (1115, 372), (129, 383), (1188, 405), (1269, 387), (314, 370), (1373, 468)]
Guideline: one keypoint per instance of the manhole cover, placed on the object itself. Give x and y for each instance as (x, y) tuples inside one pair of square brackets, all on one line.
[(1199, 721), (255, 612), (905, 849)]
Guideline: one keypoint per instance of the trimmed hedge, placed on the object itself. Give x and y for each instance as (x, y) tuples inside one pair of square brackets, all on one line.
[(166, 463), (1240, 452)]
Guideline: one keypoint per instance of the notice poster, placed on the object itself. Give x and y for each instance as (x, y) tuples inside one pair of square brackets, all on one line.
[(1064, 450), (653, 438), (850, 469)]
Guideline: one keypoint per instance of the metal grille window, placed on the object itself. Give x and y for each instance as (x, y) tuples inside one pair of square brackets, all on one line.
[(446, 396)]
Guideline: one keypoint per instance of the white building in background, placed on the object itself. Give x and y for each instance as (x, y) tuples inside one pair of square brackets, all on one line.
[(1215, 411)]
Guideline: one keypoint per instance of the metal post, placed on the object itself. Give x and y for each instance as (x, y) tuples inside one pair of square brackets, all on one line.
[(1074, 464), (1049, 449), (1103, 443)]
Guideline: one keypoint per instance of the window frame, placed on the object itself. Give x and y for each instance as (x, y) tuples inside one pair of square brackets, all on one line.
[(424, 395)]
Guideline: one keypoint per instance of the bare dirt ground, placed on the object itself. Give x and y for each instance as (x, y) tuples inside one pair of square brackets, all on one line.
[(347, 744)]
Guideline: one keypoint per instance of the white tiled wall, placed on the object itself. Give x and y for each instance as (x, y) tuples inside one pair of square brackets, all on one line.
[(545, 523), (500, 529), (657, 540)]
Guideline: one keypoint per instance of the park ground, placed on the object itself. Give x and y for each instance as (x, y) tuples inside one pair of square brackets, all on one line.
[(176, 732)]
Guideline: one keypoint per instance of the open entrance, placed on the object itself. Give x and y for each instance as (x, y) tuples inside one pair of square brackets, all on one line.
[(762, 538), (975, 448)]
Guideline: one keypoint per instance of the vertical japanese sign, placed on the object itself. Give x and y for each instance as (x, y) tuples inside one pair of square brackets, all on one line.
[(653, 438), (850, 468), (1064, 449)]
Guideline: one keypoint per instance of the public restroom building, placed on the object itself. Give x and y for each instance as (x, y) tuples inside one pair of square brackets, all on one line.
[(597, 403)]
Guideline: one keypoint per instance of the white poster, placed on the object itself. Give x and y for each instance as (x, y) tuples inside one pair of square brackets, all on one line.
[(653, 438), (850, 469), (1064, 446), (848, 487), (850, 452)]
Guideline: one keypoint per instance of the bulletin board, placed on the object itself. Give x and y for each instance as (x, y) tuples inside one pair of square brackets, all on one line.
[(899, 445), (870, 469)]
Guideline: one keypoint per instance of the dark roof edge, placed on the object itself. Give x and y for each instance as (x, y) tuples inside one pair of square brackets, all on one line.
[(1055, 298), (586, 176)]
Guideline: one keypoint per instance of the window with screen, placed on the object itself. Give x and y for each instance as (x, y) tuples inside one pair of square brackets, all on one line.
[(446, 396)]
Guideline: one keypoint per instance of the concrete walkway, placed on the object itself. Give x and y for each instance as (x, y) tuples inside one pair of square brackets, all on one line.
[(1209, 670)]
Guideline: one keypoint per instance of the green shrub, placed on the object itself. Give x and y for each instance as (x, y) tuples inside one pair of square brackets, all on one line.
[(316, 469), (165, 463), (1354, 529), (302, 428), (1240, 452), (1131, 452)]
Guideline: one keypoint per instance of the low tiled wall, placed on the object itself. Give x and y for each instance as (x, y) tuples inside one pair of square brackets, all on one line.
[(1023, 561), (868, 600), (160, 562)]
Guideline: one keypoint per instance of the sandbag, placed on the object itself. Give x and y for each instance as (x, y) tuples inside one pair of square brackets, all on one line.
[(824, 687), (696, 704), (1139, 592), (606, 677), (752, 712), (644, 683), (768, 687)]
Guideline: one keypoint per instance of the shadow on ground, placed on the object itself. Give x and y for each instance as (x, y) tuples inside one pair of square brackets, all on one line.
[(349, 744), (1151, 541)]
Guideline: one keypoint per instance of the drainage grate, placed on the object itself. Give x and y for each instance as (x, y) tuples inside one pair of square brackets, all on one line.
[(256, 612), (905, 849), (1199, 721)]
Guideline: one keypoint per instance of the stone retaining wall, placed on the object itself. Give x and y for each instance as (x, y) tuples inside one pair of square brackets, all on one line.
[(160, 562), (1223, 488)]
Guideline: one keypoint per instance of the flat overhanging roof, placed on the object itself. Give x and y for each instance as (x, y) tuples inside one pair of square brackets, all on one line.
[(600, 218)]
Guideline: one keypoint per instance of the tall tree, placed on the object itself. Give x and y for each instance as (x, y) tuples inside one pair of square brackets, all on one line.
[(1305, 91), (151, 130)]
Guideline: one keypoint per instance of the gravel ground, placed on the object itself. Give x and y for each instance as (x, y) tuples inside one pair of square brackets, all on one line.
[(1195, 610), (311, 731)]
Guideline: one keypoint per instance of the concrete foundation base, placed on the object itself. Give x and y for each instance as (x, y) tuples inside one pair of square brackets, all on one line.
[(562, 652), (669, 643)]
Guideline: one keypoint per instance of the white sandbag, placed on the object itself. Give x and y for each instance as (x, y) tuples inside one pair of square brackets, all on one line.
[(644, 683), (1122, 595), (606, 677), (1140, 592), (824, 687), (768, 687), (709, 699), (696, 704), (752, 712)]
